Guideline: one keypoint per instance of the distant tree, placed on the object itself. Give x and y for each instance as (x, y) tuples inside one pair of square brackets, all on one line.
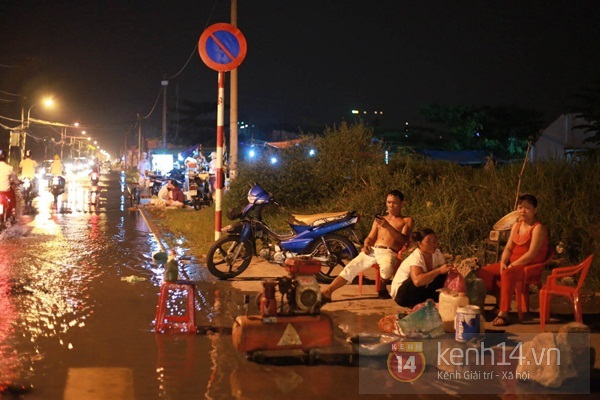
[(503, 130), (588, 112)]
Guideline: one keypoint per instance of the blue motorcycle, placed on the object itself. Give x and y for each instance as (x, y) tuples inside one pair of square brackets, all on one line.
[(317, 236)]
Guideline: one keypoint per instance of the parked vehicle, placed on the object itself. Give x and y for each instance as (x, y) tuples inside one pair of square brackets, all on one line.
[(318, 236), (133, 192), (156, 182), (200, 193)]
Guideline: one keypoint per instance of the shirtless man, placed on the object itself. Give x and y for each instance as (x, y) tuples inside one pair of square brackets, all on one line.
[(388, 235)]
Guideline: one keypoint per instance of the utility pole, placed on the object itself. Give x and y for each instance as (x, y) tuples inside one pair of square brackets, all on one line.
[(164, 84), (139, 137), (233, 109)]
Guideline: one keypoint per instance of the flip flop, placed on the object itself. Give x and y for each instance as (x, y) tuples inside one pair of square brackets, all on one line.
[(500, 320)]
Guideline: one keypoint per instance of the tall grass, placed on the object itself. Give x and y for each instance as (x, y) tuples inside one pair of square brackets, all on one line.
[(460, 203)]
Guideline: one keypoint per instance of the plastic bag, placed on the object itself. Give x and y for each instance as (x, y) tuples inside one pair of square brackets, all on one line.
[(476, 290), (455, 281), (424, 323)]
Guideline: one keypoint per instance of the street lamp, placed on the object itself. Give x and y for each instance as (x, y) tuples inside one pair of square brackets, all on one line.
[(47, 103)]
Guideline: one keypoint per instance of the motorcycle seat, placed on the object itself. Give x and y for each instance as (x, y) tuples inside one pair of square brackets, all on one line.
[(316, 219)]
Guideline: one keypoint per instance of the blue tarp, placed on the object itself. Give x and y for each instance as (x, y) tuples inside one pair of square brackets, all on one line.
[(187, 152)]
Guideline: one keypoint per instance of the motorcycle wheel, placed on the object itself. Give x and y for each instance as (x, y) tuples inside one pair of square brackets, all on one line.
[(228, 257), (197, 204), (338, 253)]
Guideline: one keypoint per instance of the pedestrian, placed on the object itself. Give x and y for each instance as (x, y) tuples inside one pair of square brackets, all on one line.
[(27, 166), (7, 179), (143, 167)]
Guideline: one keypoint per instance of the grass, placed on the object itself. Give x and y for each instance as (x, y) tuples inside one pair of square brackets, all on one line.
[(460, 203)]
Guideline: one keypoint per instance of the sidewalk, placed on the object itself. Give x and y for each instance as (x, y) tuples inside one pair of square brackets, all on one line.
[(353, 313)]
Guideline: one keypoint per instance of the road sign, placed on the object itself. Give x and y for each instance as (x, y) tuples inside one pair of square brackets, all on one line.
[(222, 47)]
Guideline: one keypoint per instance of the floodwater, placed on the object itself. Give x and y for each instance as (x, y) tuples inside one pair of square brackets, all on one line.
[(68, 317), (78, 298)]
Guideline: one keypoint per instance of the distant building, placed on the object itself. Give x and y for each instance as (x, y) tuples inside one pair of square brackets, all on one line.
[(561, 141)]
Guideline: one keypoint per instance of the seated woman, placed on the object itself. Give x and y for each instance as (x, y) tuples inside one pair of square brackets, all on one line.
[(527, 244), (422, 273)]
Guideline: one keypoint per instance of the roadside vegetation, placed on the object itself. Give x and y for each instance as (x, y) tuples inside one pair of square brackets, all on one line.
[(348, 172)]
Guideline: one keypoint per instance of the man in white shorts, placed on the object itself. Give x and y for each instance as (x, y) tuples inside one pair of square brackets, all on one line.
[(388, 235)]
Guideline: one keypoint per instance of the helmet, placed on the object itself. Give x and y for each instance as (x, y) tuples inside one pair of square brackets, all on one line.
[(56, 157), (28, 154), (2, 155)]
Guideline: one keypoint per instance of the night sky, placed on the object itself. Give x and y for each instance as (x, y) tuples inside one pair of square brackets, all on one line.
[(309, 63)]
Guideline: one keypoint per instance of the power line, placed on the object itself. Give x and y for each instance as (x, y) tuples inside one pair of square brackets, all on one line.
[(195, 50)]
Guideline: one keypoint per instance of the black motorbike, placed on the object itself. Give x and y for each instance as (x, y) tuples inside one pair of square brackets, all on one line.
[(28, 193), (57, 187), (94, 189), (156, 182), (203, 194)]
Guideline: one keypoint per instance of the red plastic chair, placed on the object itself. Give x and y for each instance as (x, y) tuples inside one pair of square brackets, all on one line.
[(532, 275), (377, 275), (552, 287)]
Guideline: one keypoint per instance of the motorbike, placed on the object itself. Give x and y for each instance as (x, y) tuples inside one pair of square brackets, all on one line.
[(95, 189), (156, 182), (57, 187), (133, 192), (201, 194), (7, 217), (27, 191), (317, 236)]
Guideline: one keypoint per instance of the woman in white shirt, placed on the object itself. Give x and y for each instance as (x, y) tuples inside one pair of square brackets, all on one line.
[(422, 273)]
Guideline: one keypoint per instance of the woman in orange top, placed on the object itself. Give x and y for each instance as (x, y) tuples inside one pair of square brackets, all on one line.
[(528, 244)]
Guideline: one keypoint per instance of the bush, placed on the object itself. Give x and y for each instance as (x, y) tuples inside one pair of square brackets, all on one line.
[(460, 203)]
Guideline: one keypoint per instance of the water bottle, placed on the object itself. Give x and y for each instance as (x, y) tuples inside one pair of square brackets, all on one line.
[(171, 268)]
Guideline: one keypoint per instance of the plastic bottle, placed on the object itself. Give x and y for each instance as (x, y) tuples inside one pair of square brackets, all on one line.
[(171, 268), (450, 301)]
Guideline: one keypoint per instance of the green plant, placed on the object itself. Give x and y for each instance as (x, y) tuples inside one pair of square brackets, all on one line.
[(460, 203)]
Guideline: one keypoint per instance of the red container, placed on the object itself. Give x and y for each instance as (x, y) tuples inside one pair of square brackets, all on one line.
[(251, 333), (305, 266)]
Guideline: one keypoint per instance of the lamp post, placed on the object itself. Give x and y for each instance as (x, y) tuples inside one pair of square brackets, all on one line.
[(47, 103)]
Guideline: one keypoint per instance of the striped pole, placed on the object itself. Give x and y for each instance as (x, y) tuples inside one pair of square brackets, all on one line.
[(219, 177)]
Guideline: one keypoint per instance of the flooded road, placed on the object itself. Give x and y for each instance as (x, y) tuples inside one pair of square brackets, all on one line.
[(66, 312), (78, 294)]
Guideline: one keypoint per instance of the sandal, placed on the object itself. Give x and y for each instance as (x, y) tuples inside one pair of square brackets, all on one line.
[(500, 320)]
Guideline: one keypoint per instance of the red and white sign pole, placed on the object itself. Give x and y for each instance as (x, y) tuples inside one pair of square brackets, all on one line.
[(222, 47), (220, 140)]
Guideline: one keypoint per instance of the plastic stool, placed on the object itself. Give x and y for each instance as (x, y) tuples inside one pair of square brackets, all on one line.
[(182, 323), (377, 279)]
